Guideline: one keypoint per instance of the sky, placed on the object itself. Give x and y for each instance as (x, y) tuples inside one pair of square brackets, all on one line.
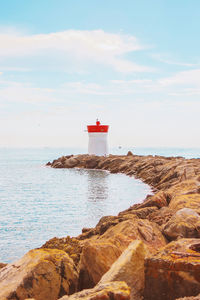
[(135, 65)]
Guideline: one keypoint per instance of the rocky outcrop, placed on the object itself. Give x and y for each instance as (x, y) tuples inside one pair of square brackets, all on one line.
[(174, 209), (40, 274), (129, 267), (114, 248), (117, 290)]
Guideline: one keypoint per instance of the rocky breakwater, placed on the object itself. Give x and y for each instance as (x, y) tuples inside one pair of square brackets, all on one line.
[(149, 251)]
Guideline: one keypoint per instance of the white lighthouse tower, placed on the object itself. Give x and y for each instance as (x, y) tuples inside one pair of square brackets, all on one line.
[(98, 144)]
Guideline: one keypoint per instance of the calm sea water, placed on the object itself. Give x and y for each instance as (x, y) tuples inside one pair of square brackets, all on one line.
[(38, 202)]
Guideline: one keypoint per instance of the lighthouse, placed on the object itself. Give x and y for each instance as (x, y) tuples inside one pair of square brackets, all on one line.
[(98, 144)]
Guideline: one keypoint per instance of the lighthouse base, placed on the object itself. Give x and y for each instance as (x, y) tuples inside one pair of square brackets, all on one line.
[(98, 143)]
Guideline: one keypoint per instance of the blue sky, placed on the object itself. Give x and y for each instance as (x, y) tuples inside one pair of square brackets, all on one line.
[(133, 64)]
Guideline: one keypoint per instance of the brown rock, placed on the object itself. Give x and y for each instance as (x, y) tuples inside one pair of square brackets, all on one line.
[(141, 213), (159, 200), (117, 290), (92, 162), (129, 153), (57, 165), (189, 298), (185, 223), (99, 254), (129, 267), (2, 265), (70, 245), (41, 274), (174, 271), (70, 162), (134, 229), (190, 201), (161, 216), (96, 259)]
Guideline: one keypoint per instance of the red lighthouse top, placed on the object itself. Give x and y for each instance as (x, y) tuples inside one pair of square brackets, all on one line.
[(98, 127)]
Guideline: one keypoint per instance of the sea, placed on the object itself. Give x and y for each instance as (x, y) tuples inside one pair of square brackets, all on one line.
[(38, 202)]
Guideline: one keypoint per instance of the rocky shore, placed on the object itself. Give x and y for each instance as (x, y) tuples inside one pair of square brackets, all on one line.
[(150, 251)]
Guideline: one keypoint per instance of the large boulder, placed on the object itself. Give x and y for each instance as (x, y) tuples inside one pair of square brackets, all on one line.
[(174, 271), (96, 259), (70, 162), (100, 253), (117, 290), (185, 223), (129, 267), (40, 274)]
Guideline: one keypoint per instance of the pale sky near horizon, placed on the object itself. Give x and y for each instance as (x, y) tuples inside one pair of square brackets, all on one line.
[(133, 64)]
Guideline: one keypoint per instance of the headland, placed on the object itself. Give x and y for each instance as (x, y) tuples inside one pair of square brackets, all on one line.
[(149, 251)]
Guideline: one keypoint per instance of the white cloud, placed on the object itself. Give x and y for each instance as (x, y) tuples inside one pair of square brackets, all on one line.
[(165, 58), (185, 78), (71, 46)]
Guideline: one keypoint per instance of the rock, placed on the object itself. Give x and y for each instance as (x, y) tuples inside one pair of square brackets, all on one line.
[(129, 153), (108, 291), (190, 201), (159, 200), (99, 254), (129, 267), (174, 271), (70, 162), (185, 223), (2, 265), (161, 216), (92, 162), (70, 245), (57, 165), (96, 259), (41, 274), (141, 213), (48, 164), (189, 298)]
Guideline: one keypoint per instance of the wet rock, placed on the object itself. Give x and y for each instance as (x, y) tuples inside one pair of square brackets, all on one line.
[(185, 223), (174, 271), (41, 274), (117, 290), (129, 267)]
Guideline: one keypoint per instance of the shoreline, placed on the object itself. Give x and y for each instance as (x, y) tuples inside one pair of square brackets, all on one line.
[(166, 224)]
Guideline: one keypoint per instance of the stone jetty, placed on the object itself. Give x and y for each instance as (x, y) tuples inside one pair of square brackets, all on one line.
[(149, 251)]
